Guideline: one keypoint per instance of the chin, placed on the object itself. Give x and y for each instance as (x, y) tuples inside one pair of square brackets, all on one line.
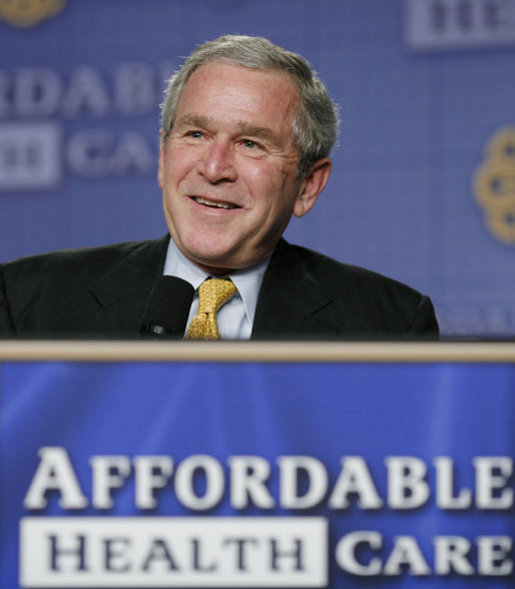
[(208, 260), (209, 252)]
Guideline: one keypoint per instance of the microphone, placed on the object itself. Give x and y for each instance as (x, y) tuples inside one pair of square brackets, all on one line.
[(167, 308)]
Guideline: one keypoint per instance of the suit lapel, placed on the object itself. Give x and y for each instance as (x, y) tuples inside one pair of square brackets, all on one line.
[(134, 275), (291, 302)]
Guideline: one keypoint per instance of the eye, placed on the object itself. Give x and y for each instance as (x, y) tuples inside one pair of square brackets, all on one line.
[(195, 134), (250, 144)]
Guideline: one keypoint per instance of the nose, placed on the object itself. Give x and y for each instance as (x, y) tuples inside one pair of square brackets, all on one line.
[(217, 163)]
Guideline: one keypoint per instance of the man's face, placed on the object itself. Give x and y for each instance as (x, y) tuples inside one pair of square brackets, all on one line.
[(229, 169)]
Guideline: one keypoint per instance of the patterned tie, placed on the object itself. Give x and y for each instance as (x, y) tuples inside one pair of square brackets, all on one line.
[(213, 294)]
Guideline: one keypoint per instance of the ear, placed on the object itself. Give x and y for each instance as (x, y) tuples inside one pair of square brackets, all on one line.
[(162, 153), (312, 185)]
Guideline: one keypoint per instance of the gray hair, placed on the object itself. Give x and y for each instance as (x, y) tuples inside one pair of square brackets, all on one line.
[(315, 127)]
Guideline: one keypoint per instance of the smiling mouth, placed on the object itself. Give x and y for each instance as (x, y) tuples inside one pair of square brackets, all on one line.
[(214, 204)]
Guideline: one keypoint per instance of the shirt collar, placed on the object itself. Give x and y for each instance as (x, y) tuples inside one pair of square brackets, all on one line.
[(247, 281)]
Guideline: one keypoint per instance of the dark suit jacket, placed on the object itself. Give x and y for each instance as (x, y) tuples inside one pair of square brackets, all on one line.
[(102, 292)]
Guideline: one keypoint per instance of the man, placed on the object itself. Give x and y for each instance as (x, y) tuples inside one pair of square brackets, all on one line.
[(247, 129)]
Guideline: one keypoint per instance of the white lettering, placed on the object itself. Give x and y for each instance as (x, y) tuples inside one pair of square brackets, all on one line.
[(355, 478), (134, 92), (55, 473), (346, 553), (451, 556), (152, 472), (248, 482), (214, 482), (88, 152), (303, 483), (173, 552), (492, 555), (132, 154), (407, 488), (406, 552), (86, 91), (96, 153), (37, 92), (445, 486), (290, 468), (492, 475), (109, 472)]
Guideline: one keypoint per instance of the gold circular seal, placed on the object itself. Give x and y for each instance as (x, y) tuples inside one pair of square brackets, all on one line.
[(502, 225), (494, 185), (27, 13)]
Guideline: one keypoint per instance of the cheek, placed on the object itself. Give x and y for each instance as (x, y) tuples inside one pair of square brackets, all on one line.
[(264, 182), (177, 164)]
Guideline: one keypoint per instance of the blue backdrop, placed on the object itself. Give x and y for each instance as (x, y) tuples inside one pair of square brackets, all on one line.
[(423, 182)]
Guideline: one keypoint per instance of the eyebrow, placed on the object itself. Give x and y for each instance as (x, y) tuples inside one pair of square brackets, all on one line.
[(244, 128), (256, 131), (194, 121)]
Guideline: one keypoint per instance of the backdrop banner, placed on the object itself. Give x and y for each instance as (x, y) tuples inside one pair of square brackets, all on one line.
[(422, 187), (256, 475)]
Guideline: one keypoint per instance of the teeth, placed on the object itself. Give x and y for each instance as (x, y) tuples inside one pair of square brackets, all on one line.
[(210, 203)]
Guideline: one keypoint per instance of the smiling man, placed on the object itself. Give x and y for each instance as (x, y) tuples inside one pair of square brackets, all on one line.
[(228, 167), (247, 129)]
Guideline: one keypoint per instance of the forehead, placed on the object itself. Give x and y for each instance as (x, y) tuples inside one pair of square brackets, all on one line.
[(225, 90)]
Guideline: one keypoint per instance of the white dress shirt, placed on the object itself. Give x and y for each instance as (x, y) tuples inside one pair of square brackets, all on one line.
[(236, 318)]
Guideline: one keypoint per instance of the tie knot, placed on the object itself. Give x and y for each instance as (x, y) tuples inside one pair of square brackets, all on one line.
[(214, 293)]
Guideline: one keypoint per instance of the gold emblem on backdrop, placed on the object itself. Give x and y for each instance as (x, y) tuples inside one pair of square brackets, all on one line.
[(494, 185), (27, 13)]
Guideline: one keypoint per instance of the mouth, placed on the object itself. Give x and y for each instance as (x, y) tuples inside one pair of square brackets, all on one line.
[(214, 203)]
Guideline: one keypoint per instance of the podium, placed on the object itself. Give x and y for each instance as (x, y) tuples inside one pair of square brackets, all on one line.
[(190, 464)]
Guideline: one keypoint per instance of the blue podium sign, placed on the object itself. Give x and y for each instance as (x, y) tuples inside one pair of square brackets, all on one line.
[(257, 474)]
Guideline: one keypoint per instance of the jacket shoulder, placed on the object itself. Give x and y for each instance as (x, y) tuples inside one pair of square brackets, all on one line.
[(62, 287), (378, 304), (332, 271)]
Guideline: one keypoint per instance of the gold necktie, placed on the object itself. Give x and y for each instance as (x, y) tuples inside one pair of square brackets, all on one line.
[(213, 294)]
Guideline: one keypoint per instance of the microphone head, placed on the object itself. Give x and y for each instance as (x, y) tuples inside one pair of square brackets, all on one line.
[(167, 308)]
